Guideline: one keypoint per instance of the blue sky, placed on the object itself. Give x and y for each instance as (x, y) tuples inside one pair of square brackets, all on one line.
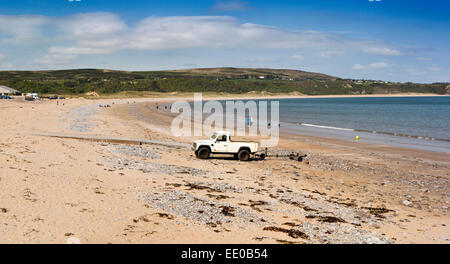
[(394, 40)]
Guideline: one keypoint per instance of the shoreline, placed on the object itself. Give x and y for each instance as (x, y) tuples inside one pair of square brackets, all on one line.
[(406, 142), (418, 152)]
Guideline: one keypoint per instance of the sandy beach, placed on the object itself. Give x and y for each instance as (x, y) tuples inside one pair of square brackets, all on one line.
[(57, 188)]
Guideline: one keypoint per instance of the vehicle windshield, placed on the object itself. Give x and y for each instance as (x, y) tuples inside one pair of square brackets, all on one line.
[(214, 136)]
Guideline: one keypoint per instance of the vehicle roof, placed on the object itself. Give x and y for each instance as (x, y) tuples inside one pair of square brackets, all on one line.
[(223, 132)]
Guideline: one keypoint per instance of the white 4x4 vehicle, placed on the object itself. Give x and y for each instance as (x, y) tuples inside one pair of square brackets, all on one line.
[(221, 143)]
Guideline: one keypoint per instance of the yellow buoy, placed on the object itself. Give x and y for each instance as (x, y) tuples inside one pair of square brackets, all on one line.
[(357, 138)]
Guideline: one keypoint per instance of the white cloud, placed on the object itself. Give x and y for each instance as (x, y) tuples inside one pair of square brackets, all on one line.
[(93, 33), (22, 29), (382, 51), (217, 32), (67, 38), (183, 32), (92, 25), (372, 66)]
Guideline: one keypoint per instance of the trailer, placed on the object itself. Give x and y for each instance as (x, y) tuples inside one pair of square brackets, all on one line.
[(221, 143)]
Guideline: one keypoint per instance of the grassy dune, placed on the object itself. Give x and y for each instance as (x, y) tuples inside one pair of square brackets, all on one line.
[(108, 83)]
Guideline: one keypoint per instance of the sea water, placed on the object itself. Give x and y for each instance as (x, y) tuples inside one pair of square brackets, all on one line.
[(411, 122)]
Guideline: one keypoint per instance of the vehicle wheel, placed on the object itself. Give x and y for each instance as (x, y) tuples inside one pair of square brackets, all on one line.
[(204, 153), (244, 155), (263, 156)]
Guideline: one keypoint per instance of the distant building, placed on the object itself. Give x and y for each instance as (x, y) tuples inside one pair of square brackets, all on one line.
[(5, 90)]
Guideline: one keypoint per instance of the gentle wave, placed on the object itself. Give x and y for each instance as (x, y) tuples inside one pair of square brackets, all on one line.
[(373, 132), (328, 127)]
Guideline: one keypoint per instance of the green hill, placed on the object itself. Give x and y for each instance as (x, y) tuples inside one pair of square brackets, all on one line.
[(228, 80)]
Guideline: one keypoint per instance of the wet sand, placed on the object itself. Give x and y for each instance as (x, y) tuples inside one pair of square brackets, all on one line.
[(55, 189)]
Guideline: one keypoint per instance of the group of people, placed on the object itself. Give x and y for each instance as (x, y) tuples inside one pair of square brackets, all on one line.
[(106, 106)]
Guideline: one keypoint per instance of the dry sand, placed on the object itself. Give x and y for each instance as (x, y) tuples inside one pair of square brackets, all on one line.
[(55, 189)]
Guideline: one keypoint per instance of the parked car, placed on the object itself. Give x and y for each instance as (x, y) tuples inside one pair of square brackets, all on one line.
[(221, 143), (53, 97), (32, 96)]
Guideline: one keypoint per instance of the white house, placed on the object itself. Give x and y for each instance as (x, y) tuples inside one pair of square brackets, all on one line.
[(5, 90)]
